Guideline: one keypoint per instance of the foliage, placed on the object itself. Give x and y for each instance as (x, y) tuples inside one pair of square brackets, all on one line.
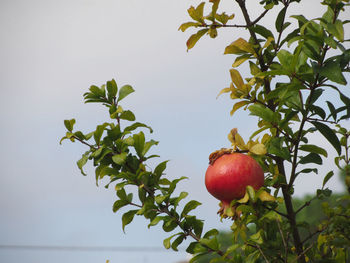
[(293, 71)]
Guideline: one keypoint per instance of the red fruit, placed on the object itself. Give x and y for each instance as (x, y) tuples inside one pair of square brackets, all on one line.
[(229, 175)]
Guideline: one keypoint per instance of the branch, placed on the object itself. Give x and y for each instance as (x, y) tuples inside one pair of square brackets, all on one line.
[(305, 205), (83, 142)]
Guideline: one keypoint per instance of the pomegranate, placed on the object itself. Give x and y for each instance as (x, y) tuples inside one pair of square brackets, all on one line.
[(229, 174)]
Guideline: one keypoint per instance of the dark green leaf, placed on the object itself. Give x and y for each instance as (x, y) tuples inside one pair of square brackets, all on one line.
[(275, 147), (308, 170), (311, 158), (313, 149), (128, 217), (327, 177), (280, 19), (329, 134), (332, 110), (119, 204), (177, 242), (169, 224), (189, 206), (125, 91), (263, 31), (122, 194)]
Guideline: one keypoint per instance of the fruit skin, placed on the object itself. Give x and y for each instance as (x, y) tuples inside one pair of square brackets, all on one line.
[(227, 178)]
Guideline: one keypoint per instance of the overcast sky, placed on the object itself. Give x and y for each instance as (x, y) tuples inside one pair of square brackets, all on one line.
[(50, 53)]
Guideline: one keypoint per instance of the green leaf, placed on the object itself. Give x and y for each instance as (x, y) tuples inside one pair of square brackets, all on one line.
[(286, 59), (120, 158), (83, 161), (280, 19), (125, 91), (327, 177), (122, 194), (210, 243), (139, 143), (155, 221), (148, 145), (158, 171), (180, 197), (262, 112), (332, 71), (69, 124), (313, 149), (276, 147), (127, 218), (166, 241), (136, 125), (112, 89), (329, 134), (210, 233), (311, 158), (189, 206), (336, 29), (195, 247), (98, 133), (177, 242), (127, 115), (191, 42), (169, 224)]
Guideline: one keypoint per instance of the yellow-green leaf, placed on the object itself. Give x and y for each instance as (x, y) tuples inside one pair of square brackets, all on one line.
[(245, 199), (240, 46), (258, 149), (239, 60), (236, 78), (196, 13), (194, 38), (187, 25), (225, 90), (266, 197), (238, 105)]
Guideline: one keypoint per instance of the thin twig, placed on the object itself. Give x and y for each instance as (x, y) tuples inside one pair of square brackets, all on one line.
[(283, 240), (303, 254)]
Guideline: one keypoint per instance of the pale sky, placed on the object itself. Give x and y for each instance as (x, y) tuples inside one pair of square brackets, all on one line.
[(50, 53)]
